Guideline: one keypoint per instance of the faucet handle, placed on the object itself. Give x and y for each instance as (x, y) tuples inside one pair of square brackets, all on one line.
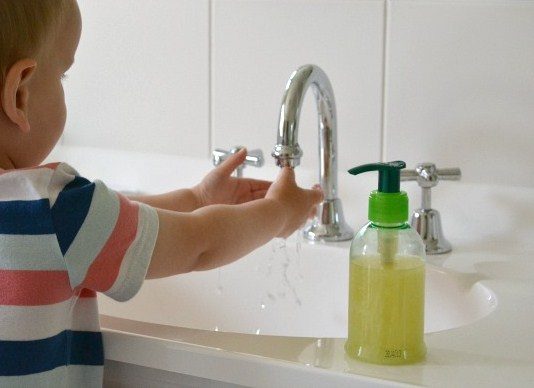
[(427, 175), (425, 220), (253, 158)]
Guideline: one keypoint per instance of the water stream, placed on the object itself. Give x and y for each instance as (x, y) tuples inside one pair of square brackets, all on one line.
[(279, 274), (282, 272)]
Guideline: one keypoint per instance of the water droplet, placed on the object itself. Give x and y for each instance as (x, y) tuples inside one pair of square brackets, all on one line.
[(257, 331), (219, 282)]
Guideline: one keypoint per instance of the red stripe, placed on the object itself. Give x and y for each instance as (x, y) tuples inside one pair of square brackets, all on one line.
[(105, 268), (85, 293), (33, 288)]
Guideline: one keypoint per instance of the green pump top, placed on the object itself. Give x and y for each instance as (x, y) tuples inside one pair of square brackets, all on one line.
[(387, 205)]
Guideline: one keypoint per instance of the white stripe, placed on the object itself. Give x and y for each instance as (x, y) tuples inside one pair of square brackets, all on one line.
[(86, 376), (135, 263), (94, 233), (63, 175), (30, 252), (25, 323), (25, 185), (85, 315)]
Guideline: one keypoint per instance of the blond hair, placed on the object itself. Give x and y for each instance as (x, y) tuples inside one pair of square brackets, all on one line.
[(25, 28)]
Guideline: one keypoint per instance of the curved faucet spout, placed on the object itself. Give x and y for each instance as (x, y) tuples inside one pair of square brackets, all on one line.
[(329, 224), (287, 150)]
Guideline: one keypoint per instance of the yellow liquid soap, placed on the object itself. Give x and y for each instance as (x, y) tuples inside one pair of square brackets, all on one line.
[(386, 310)]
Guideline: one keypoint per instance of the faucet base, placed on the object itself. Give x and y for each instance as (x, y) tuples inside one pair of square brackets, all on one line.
[(427, 222), (329, 225)]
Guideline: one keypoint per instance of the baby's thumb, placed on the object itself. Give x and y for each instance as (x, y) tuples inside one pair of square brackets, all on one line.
[(287, 175), (233, 162), (316, 195)]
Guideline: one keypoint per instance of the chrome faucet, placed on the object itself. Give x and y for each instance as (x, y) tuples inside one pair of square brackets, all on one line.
[(329, 224), (425, 220), (253, 158)]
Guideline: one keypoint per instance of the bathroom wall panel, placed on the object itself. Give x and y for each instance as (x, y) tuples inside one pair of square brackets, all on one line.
[(140, 81), (256, 45), (460, 87), (459, 79)]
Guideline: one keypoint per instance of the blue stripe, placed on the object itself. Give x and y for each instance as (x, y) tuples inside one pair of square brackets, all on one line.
[(66, 348), (26, 217), (70, 210)]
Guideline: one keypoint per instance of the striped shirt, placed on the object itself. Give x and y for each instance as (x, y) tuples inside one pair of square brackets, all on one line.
[(62, 239)]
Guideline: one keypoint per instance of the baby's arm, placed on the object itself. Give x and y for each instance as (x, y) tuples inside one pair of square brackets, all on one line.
[(216, 235), (183, 200)]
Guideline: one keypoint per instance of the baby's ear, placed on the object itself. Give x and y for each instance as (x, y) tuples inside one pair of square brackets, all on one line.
[(15, 93)]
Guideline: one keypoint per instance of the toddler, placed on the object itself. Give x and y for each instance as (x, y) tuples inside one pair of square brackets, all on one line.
[(64, 238)]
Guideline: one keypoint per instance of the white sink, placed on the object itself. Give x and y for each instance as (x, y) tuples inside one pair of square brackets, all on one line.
[(288, 289)]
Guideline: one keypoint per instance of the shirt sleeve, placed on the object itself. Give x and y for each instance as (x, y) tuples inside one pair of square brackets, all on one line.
[(106, 240)]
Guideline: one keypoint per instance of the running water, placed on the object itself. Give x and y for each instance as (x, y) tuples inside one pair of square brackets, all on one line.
[(282, 271)]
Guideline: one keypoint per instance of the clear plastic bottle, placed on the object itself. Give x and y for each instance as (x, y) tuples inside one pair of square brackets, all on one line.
[(387, 278)]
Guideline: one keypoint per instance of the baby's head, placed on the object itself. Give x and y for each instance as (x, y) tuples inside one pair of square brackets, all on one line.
[(38, 41)]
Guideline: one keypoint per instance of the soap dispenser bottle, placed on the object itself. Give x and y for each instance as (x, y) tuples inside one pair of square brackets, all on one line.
[(387, 277)]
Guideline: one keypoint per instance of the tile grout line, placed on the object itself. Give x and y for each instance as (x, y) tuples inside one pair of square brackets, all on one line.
[(210, 77), (383, 121)]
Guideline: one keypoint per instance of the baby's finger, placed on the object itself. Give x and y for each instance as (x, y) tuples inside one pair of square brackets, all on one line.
[(287, 175), (313, 212), (234, 161), (316, 195)]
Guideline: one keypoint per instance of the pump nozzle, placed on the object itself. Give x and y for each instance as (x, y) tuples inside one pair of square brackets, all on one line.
[(387, 205), (388, 174)]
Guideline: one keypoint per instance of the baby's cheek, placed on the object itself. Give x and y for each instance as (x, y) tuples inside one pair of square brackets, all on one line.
[(60, 112), (55, 117)]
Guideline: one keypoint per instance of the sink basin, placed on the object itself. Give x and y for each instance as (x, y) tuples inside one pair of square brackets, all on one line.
[(288, 288)]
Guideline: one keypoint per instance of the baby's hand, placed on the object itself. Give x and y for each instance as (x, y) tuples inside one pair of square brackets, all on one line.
[(298, 203), (220, 187)]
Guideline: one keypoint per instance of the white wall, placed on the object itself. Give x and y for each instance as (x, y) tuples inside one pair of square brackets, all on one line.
[(444, 81), (140, 81), (460, 87)]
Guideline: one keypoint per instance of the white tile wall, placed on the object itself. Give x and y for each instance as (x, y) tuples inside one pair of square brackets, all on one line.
[(460, 87), (256, 45), (140, 81), (186, 76)]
